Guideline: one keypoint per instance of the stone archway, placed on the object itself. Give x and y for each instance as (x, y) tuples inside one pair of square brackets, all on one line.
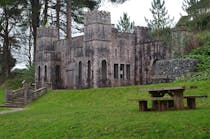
[(89, 82), (80, 75)]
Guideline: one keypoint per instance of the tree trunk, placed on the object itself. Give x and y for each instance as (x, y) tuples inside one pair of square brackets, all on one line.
[(58, 17), (35, 21), (45, 12), (29, 48), (6, 51), (68, 17)]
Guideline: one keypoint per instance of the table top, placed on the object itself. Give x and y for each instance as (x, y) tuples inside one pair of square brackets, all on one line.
[(172, 91), (167, 89)]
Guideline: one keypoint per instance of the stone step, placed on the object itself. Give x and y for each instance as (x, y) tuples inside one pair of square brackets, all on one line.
[(8, 105), (15, 102)]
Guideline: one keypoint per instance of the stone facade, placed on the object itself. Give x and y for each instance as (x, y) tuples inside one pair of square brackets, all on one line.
[(170, 70), (101, 57)]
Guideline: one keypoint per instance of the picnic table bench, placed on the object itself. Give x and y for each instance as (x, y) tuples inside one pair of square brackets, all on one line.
[(159, 104), (174, 100), (191, 100)]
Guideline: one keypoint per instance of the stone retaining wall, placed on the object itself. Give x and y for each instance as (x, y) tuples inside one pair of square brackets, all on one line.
[(169, 70)]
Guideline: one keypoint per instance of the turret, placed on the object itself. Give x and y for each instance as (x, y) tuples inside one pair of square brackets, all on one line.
[(98, 26), (46, 37), (45, 54)]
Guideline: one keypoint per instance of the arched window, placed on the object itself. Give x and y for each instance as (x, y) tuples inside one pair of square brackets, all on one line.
[(104, 70), (80, 73), (39, 73), (89, 74), (45, 73)]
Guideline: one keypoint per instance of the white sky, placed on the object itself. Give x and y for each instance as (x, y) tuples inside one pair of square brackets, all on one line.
[(138, 9)]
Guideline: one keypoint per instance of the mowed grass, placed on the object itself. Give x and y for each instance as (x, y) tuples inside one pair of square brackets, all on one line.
[(107, 113)]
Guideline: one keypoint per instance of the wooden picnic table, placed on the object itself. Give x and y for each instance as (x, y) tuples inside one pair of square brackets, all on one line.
[(175, 92), (166, 99)]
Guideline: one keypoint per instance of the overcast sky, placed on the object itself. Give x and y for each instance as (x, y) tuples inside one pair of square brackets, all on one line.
[(138, 9)]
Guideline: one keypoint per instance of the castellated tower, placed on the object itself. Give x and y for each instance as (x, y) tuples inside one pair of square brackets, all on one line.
[(45, 56), (98, 33)]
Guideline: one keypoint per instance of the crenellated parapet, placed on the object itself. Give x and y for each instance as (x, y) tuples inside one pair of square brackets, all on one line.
[(142, 33), (96, 16), (98, 26)]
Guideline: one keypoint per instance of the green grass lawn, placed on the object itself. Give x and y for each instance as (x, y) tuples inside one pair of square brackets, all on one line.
[(107, 113)]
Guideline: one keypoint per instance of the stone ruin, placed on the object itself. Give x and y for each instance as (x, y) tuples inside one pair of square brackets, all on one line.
[(102, 57)]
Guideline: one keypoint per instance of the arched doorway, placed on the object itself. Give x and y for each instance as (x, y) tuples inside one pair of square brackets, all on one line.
[(80, 75), (39, 73), (89, 74), (45, 73), (104, 70)]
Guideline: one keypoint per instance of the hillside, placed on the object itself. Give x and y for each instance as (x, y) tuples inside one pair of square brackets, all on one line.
[(107, 113)]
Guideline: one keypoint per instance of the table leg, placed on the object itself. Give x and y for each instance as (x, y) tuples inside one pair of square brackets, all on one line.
[(143, 105), (179, 101), (191, 103), (155, 105)]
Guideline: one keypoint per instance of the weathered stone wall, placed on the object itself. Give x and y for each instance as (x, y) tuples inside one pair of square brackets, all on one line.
[(123, 55), (102, 57), (147, 53), (183, 41), (45, 55), (172, 69)]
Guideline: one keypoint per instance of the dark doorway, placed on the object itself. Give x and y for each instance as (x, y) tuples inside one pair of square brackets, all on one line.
[(45, 73), (80, 75), (58, 76), (104, 70), (115, 71), (39, 73), (89, 74)]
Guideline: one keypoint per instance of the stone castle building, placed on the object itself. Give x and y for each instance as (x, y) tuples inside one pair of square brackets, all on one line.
[(101, 57)]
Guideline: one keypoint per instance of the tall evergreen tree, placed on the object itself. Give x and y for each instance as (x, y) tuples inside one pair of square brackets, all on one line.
[(125, 25), (9, 20), (161, 19)]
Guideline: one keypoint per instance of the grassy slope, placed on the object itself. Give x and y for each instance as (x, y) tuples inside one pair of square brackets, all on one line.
[(106, 113)]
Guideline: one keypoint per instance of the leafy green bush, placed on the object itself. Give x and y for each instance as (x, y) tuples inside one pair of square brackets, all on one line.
[(202, 53), (17, 77)]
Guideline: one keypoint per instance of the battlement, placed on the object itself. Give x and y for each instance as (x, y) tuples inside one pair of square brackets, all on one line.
[(142, 33), (141, 29), (47, 32), (97, 17)]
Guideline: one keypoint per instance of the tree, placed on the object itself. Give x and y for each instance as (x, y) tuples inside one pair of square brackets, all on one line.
[(125, 25), (198, 17), (9, 20), (161, 19), (188, 3), (73, 11)]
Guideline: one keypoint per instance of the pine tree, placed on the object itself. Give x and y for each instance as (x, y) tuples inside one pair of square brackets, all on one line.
[(187, 4), (161, 19), (125, 25), (10, 18)]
